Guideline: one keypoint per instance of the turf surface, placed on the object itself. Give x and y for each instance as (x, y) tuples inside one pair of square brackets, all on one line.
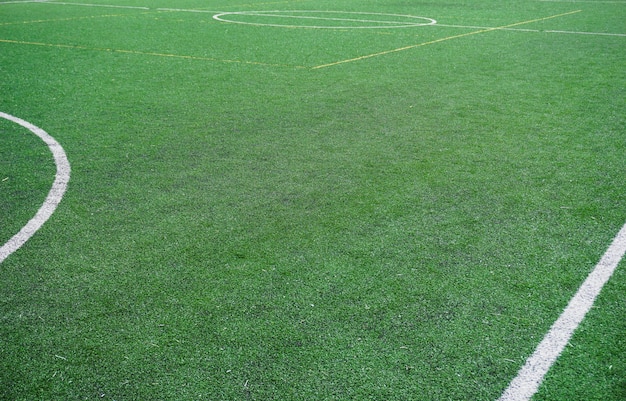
[(405, 222)]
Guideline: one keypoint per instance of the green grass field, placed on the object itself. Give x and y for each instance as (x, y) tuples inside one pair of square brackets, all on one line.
[(319, 200)]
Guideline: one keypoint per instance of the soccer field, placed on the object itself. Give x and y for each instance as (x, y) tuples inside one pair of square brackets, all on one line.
[(312, 200)]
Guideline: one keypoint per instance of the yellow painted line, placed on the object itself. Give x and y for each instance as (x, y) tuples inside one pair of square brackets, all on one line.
[(141, 53), (442, 40)]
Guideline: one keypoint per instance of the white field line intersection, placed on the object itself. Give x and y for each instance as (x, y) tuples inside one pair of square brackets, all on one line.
[(258, 13), (285, 16), (55, 194), (530, 376)]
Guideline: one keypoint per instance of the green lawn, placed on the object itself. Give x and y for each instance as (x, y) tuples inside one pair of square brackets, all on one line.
[(292, 213)]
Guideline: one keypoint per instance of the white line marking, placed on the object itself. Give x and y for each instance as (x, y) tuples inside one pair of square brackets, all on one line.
[(94, 5), (262, 14), (534, 30), (373, 24), (400, 25), (531, 375), (23, 1), (589, 33), (54, 197), (582, 1)]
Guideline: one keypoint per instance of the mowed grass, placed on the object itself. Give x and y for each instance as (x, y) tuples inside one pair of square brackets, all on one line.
[(241, 225)]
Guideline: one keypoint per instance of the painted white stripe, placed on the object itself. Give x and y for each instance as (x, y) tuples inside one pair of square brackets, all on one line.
[(54, 197), (96, 5), (532, 373), (582, 1), (533, 30), (589, 33), (23, 1)]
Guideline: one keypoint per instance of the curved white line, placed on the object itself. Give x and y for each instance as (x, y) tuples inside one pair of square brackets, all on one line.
[(527, 382), (54, 197), (285, 14)]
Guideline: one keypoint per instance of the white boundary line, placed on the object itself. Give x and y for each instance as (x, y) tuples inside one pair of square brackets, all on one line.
[(72, 4), (534, 30), (94, 5), (582, 1), (528, 379), (587, 33), (54, 197), (22, 1)]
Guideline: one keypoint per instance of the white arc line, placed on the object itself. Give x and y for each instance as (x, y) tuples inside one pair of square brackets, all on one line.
[(531, 375), (55, 194), (292, 14), (322, 18)]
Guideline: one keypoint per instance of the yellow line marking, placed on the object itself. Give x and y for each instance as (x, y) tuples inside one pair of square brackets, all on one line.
[(442, 40), (141, 53)]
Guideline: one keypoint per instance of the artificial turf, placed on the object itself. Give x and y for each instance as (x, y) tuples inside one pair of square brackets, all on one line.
[(243, 225)]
